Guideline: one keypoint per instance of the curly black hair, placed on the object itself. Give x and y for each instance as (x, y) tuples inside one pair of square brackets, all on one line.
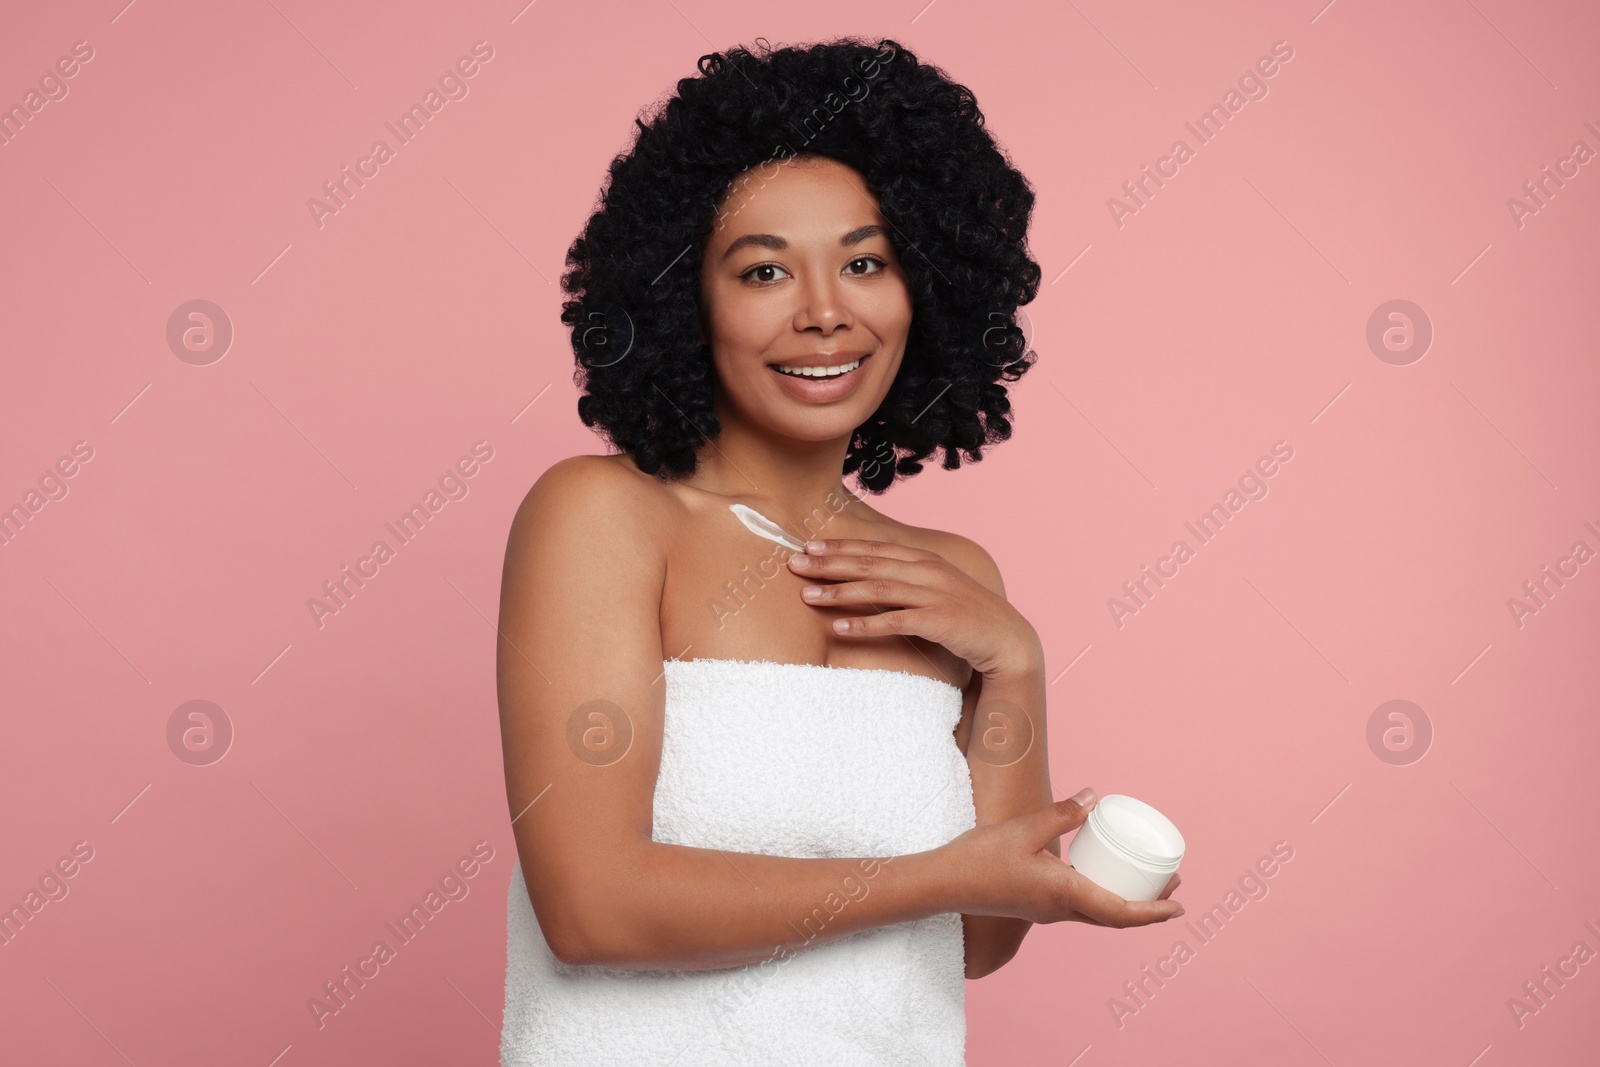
[(958, 211)]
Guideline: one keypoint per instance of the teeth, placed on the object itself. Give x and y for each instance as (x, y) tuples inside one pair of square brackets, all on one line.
[(820, 372)]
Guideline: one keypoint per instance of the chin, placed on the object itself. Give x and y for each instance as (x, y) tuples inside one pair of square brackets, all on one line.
[(817, 427)]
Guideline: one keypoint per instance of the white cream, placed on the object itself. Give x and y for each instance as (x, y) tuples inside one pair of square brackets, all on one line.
[(762, 526)]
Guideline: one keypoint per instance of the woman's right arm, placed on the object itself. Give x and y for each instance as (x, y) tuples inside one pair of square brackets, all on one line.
[(580, 610), (581, 695)]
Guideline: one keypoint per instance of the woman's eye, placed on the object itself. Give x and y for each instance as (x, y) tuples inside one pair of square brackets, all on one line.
[(762, 273), (758, 268)]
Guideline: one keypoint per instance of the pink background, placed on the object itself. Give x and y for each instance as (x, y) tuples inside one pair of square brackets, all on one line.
[(1227, 314)]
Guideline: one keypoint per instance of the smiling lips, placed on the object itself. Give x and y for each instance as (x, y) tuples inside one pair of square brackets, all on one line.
[(819, 371), (820, 381)]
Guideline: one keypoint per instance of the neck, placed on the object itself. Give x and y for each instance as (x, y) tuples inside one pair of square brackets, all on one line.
[(781, 477)]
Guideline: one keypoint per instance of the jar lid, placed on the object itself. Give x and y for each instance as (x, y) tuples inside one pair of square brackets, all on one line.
[(1138, 831)]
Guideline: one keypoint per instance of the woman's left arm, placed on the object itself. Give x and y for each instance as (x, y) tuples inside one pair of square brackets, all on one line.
[(957, 599), (1002, 733)]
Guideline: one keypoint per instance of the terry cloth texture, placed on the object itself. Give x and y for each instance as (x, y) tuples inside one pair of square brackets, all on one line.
[(782, 759)]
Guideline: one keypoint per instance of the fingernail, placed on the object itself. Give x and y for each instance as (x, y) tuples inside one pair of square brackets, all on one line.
[(1178, 912), (800, 559), (815, 546), (1084, 795), (811, 592)]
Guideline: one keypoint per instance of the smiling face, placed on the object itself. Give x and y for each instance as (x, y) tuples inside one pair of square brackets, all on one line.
[(801, 275)]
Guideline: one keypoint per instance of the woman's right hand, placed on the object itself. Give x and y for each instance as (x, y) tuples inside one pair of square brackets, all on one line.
[(1008, 868)]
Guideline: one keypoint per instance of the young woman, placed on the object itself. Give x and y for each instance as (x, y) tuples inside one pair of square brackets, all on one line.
[(776, 762)]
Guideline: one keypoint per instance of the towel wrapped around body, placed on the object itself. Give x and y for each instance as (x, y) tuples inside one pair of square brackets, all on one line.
[(781, 759)]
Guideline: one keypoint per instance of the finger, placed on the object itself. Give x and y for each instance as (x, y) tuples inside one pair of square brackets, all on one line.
[(845, 566), (1056, 820), (875, 592), (1172, 883), (906, 622), (1147, 912), (1111, 910), (861, 546)]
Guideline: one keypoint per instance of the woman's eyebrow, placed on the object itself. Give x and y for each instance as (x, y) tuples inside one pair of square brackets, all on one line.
[(778, 244)]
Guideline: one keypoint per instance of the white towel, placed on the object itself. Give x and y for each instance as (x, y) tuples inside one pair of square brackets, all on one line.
[(786, 760)]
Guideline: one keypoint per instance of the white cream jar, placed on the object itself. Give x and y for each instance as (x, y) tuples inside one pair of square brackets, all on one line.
[(1128, 847)]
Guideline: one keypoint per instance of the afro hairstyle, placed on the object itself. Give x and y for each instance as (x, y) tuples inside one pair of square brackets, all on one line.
[(958, 213)]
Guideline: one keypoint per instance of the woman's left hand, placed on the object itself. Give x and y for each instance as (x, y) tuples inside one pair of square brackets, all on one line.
[(936, 600)]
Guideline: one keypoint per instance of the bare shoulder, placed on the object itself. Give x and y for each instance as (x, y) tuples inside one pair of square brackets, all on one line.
[(590, 508), (972, 558), (593, 488), (962, 551)]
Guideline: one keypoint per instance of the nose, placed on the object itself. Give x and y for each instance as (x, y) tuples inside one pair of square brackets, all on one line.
[(823, 304)]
